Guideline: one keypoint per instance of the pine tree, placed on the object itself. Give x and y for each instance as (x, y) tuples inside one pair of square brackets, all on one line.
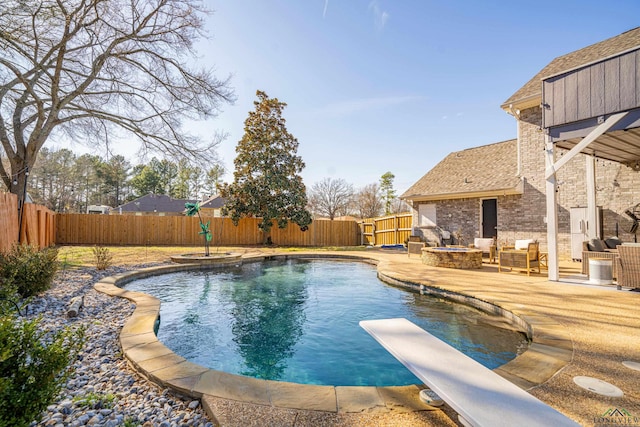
[(388, 193), (266, 182)]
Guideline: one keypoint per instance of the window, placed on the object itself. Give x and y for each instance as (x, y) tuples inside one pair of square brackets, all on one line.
[(427, 215)]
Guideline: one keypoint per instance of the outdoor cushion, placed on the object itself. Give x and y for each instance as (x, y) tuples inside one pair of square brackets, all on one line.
[(523, 244), (612, 242), (596, 245), (484, 244)]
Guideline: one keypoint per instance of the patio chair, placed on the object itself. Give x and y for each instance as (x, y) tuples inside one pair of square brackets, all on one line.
[(520, 259), (628, 266), (487, 246), (596, 248)]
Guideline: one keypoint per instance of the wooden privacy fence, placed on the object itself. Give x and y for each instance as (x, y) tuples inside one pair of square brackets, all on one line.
[(386, 230), (183, 231), (38, 224)]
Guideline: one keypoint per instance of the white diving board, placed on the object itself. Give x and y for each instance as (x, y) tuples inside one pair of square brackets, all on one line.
[(480, 396)]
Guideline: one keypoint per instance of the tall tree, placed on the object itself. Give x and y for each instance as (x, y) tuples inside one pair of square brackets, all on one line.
[(53, 179), (330, 197), (86, 182), (114, 174), (213, 180), (266, 182), (368, 202), (95, 70), (188, 182), (146, 180), (388, 193)]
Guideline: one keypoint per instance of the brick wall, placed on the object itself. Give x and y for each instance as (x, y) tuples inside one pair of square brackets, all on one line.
[(523, 217), (617, 186)]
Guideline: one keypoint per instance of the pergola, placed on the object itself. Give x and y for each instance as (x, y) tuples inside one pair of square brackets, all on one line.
[(593, 110)]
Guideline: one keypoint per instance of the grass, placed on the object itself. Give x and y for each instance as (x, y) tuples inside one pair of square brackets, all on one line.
[(81, 256)]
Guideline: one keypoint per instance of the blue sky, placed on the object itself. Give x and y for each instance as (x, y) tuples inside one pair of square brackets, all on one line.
[(377, 86)]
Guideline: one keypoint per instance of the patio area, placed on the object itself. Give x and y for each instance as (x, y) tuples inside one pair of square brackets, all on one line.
[(580, 329)]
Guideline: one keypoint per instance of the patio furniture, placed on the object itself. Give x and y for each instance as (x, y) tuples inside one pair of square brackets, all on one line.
[(520, 259), (544, 260), (628, 262), (487, 246), (597, 248)]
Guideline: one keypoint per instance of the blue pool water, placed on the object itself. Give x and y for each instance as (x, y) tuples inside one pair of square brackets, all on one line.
[(297, 321)]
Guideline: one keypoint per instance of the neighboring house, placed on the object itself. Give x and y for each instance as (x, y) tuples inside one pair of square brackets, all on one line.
[(501, 189), (153, 204), (212, 206)]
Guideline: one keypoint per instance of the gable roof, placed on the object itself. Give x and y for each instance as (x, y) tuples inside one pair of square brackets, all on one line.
[(488, 170), (154, 203), (213, 202), (530, 94)]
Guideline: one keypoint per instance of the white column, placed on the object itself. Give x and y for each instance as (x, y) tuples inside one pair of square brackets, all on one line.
[(590, 178), (552, 213)]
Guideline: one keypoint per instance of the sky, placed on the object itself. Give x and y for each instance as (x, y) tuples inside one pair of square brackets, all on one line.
[(375, 86)]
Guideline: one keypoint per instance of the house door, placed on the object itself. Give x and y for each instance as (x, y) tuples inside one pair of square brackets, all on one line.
[(490, 218)]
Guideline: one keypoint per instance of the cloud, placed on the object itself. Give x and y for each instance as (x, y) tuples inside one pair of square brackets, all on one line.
[(380, 17), (326, 6), (355, 106)]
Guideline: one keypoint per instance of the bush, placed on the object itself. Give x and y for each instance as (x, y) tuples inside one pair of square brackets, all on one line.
[(95, 400), (34, 365), (102, 257), (9, 298), (31, 270)]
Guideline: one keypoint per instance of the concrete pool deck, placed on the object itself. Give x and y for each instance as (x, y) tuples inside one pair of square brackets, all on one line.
[(576, 330)]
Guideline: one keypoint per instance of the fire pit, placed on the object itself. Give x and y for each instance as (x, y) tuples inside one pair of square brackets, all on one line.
[(463, 258)]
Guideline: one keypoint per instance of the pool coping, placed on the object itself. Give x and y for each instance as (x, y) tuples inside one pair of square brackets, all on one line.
[(551, 348)]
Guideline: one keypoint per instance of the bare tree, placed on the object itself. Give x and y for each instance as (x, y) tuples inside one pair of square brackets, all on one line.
[(95, 70), (368, 201), (330, 197)]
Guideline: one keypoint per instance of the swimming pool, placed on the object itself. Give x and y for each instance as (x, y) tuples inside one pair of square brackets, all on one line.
[(297, 321)]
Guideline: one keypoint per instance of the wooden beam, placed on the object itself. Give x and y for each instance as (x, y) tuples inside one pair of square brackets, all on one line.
[(595, 134)]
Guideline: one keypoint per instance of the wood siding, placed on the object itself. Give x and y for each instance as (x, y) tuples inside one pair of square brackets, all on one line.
[(603, 88), (183, 231)]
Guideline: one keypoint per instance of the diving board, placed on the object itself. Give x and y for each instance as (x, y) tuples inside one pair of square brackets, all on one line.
[(480, 396)]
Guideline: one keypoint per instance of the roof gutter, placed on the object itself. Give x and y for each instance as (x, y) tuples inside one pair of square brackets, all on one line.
[(524, 103), (517, 190)]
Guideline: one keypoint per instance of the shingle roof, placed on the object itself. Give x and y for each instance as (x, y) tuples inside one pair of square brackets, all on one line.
[(601, 50), (155, 203), (486, 169), (213, 202)]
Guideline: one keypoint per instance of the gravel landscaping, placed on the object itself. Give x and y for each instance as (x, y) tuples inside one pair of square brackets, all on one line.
[(103, 390)]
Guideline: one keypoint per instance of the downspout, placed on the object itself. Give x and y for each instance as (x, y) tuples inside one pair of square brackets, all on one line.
[(516, 114)]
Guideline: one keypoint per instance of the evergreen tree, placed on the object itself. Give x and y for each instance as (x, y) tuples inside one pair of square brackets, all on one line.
[(266, 182), (388, 193)]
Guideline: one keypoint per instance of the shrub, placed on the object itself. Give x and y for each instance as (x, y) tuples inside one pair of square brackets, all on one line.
[(102, 257), (9, 298), (31, 270), (34, 365), (96, 400)]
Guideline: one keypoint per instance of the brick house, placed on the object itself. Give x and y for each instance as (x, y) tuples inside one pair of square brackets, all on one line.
[(501, 189)]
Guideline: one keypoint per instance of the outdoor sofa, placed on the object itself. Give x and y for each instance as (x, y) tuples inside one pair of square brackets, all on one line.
[(628, 263), (599, 248)]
